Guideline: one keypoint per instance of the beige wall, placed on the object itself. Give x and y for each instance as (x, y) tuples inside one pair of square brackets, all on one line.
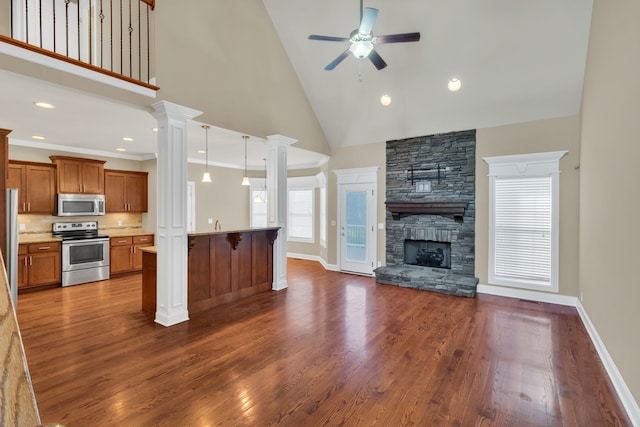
[(359, 156), (533, 137), (224, 199), (225, 58), (609, 199)]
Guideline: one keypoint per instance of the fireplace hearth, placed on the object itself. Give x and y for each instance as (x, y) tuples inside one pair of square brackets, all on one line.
[(431, 233)]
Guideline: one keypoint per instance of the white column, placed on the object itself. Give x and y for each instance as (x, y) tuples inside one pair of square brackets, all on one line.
[(277, 203), (171, 235)]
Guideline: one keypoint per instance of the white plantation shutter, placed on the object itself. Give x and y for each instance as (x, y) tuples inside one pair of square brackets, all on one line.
[(524, 220), (523, 228)]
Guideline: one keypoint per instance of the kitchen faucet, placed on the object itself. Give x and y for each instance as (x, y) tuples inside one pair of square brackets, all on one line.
[(218, 225)]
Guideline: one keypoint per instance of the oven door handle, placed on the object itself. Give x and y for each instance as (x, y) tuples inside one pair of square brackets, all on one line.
[(84, 242)]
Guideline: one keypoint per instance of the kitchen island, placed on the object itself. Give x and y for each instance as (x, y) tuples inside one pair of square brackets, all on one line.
[(223, 266)]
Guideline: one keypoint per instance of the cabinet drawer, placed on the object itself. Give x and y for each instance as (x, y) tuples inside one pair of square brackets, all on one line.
[(22, 249), (137, 240), (119, 241), (35, 248)]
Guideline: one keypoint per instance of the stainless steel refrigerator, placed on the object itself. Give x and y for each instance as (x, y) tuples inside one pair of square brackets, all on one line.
[(12, 244)]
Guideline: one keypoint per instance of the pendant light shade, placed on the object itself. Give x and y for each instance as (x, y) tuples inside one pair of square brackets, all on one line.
[(205, 176), (245, 178)]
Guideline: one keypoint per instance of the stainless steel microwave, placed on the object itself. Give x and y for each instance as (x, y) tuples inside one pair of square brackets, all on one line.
[(80, 204)]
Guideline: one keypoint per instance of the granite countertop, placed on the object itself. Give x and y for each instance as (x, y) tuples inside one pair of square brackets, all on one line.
[(37, 238), (239, 230), (150, 249)]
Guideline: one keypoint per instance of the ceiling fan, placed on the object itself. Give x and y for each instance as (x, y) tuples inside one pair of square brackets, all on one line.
[(363, 41)]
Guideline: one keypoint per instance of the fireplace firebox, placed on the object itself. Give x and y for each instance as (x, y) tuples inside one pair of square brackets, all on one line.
[(427, 253)]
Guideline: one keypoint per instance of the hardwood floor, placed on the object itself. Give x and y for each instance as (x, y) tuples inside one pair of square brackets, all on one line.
[(333, 349)]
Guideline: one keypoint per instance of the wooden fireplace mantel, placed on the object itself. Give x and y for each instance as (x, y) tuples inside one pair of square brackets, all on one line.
[(454, 210)]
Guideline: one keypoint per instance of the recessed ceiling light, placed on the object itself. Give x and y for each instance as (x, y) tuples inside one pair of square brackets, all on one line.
[(121, 149), (201, 152), (155, 129), (127, 138), (454, 85), (44, 105), (38, 137), (385, 100)]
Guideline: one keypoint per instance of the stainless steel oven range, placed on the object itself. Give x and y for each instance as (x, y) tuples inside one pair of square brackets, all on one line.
[(85, 253)]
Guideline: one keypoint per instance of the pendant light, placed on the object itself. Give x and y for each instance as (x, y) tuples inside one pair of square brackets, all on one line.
[(245, 178), (205, 176)]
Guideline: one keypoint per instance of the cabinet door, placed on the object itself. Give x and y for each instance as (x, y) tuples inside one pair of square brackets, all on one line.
[(16, 179), (23, 271), (140, 242), (136, 186), (44, 268), (92, 178), (41, 190), (120, 259), (114, 192), (69, 176)]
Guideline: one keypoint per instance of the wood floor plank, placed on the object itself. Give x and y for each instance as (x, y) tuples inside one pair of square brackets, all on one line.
[(332, 349)]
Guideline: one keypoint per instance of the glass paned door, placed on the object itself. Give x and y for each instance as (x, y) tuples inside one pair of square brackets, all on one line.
[(357, 250)]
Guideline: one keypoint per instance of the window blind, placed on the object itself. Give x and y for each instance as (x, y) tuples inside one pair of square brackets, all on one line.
[(522, 228)]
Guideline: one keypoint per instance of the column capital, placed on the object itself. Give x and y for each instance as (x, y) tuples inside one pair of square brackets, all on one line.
[(281, 140), (169, 109)]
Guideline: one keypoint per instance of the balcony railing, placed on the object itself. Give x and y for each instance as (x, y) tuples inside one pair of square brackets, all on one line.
[(114, 37)]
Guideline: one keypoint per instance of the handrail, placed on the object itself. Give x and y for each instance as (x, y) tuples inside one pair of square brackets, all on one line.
[(73, 61), (112, 37)]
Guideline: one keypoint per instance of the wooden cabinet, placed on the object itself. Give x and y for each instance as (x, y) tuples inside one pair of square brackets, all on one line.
[(75, 175), (125, 254), (39, 264), (125, 191), (36, 186)]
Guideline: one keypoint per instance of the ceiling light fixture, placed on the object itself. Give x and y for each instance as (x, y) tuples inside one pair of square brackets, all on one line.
[(38, 137), (121, 149), (205, 176), (127, 138), (454, 85), (385, 100), (44, 105), (245, 178), (155, 129)]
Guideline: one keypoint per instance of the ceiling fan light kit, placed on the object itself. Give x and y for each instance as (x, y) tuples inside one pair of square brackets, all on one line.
[(363, 41)]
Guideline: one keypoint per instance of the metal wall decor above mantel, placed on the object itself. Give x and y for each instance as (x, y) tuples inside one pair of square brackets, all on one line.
[(419, 174)]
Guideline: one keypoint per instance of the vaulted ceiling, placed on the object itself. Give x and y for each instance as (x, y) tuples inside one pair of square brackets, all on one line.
[(518, 60)]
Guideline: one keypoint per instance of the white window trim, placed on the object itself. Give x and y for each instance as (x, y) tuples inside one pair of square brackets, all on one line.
[(322, 209), (527, 165)]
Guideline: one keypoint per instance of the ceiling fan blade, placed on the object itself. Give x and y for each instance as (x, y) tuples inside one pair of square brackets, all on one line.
[(338, 60), (377, 60), (397, 38), (369, 16), (328, 38)]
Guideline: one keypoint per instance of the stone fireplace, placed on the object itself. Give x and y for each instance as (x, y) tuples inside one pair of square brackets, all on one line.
[(431, 214)]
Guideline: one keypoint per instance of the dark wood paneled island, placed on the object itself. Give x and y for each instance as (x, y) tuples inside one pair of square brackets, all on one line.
[(223, 266)]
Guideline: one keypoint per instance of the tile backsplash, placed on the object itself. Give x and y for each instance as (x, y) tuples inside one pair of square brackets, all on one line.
[(42, 224)]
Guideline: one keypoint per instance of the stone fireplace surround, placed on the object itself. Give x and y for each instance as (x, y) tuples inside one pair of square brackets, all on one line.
[(446, 213)]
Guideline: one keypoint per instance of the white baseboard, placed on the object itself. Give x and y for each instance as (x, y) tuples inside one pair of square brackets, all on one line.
[(629, 403), (624, 394), (330, 267)]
